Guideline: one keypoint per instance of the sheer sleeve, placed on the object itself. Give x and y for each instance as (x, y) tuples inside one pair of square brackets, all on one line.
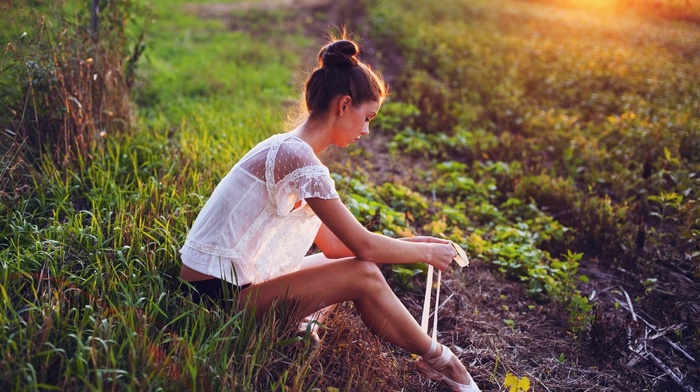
[(249, 229), (297, 174)]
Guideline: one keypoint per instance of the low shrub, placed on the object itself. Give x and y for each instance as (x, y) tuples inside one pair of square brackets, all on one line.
[(555, 196), (603, 228), (64, 85)]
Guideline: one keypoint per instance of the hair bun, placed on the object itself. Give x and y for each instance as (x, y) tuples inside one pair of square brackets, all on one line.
[(339, 53)]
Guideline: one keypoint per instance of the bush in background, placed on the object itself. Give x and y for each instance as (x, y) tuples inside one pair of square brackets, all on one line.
[(64, 86)]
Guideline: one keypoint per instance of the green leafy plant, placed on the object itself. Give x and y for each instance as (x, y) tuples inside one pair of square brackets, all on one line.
[(667, 201)]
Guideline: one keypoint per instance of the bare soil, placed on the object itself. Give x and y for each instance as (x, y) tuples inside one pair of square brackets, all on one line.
[(488, 320)]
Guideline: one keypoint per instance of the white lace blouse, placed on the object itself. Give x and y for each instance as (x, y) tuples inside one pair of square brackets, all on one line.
[(249, 231)]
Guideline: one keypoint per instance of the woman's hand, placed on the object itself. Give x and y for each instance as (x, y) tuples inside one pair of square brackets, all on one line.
[(441, 254), (441, 251)]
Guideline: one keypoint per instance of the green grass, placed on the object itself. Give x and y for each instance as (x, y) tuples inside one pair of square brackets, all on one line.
[(541, 130), (89, 254)]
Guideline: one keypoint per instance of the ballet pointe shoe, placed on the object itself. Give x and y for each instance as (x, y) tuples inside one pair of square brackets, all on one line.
[(430, 369)]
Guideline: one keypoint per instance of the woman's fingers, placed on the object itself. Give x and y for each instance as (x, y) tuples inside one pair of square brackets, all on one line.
[(422, 238), (444, 254)]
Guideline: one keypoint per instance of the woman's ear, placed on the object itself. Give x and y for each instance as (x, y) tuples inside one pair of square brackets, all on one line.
[(344, 103)]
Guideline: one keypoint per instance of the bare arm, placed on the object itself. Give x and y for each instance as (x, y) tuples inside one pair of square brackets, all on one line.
[(331, 246), (375, 247)]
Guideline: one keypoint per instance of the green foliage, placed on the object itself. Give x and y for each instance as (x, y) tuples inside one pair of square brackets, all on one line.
[(509, 235), (395, 116), (665, 203), (464, 144), (605, 119), (547, 135), (364, 201), (403, 199), (603, 227), (403, 274), (557, 196)]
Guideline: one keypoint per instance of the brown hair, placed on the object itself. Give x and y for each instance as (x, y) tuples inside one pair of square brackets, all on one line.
[(339, 73)]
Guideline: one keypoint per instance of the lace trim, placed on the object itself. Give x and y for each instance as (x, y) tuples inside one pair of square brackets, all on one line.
[(213, 249), (311, 173), (270, 166), (308, 181)]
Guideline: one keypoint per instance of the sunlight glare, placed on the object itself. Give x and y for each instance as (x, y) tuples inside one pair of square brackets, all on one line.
[(601, 5)]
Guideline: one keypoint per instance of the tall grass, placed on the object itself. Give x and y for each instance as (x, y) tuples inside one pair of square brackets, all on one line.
[(90, 299), (89, 248), (64, 85)]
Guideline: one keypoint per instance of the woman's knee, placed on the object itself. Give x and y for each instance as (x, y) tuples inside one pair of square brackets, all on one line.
[(369, 275)]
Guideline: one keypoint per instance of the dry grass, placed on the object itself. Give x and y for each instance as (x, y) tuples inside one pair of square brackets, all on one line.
[(67, 88)]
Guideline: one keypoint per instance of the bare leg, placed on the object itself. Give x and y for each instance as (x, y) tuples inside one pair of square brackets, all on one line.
[(323, 282), (310, 324), (345, 280), (350, 279), (320, 316)]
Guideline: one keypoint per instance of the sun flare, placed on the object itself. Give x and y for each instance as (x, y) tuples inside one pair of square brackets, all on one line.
[(601, 5)]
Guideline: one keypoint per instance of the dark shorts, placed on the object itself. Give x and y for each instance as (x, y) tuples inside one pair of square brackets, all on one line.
[(211, 290)]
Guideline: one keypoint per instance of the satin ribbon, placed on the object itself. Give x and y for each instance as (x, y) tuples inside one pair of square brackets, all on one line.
[(426, 302), (460, 259)]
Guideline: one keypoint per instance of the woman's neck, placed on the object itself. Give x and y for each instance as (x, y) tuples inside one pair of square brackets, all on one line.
[(315, 133)]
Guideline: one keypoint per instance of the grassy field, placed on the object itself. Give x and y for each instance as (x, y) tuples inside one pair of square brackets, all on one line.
[(559, 145), (89, 253)]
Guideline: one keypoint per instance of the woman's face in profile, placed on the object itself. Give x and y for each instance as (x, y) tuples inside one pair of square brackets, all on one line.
[(355, 123)]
